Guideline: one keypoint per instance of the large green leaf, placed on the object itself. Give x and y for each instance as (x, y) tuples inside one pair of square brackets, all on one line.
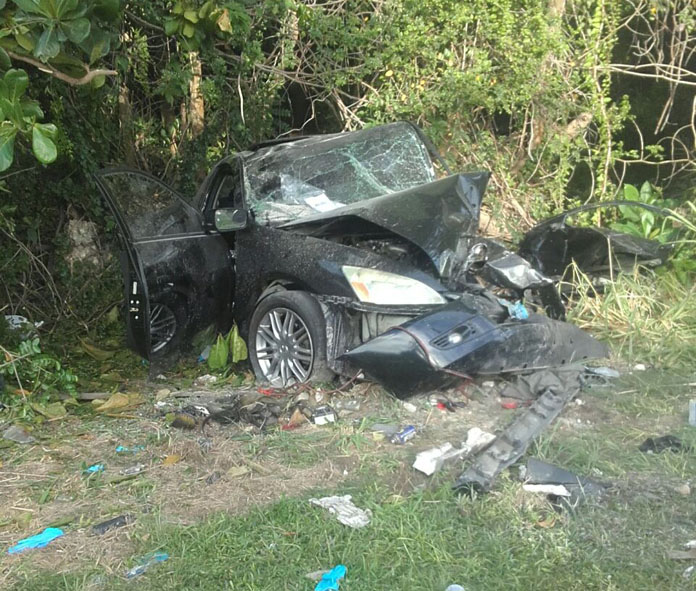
[(2, 4), (171, 26), (25, 41), (219, 354), (631, 193), (30, 6), (76, 30), (237, 345), (7, 138), (5, 62), (17, 82), (31, 109), (48, 45), (44, 148), (63, 7), (97, 45)]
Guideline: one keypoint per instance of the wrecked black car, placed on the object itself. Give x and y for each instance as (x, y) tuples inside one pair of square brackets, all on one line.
[(337, 254)]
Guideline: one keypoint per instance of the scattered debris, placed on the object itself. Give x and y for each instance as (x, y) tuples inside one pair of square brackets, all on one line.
[(344, 509), (409, 407), (640, 367), (692, 413), (133, 470), (431, 460), (688, 571), (665, 443), (205, 380), (558, 483), (556, 390), (330, 580), (171, 459), (18, 435), (455, 588), (404, 435), (120, 449), (120, 521), (146, 562), (37, 541), (323, 415), (477, 439), (94, 469), (556, 490)]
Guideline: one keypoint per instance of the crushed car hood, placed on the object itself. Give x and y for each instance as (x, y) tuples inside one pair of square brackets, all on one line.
[(433, 216)]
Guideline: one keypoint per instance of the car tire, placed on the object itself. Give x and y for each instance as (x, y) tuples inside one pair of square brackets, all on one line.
[(287, 340), (167, 319)]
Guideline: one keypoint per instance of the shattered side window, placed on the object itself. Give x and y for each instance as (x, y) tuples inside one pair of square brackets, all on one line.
[(289, 181), (148, 207)]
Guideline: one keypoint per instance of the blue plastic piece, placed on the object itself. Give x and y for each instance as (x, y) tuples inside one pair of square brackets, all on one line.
[(329, 582), (37, 541), (129, 450), (94, 468), (517, 311), (146, 562)]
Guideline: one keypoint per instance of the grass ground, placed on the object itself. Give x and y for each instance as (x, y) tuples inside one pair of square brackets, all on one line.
[(257, 531)]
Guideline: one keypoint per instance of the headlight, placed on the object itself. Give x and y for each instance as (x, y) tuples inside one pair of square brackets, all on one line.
[(380, 287)]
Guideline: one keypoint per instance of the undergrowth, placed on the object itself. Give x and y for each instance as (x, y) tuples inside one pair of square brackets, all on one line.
[(645, 316)]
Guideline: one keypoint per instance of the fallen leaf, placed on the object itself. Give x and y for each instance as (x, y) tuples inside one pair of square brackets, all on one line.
[(171, 460), (162, 394), (54, 410), (237, 471), (96, 352), (118, 401)]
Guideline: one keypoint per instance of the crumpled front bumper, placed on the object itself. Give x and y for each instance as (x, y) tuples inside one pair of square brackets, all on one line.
[(417, 355)]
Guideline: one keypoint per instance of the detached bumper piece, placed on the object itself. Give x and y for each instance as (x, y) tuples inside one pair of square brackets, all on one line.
[(424, 352)]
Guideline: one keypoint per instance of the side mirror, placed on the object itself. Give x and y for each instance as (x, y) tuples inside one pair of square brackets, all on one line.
[(229, 220)]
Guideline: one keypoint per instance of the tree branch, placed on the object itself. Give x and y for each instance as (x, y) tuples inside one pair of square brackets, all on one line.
[(48, 69)]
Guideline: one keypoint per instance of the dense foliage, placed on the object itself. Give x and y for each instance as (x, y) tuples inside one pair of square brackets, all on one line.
[(564, 100)]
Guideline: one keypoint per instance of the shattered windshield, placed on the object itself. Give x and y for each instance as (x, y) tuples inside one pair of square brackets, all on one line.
[(290, 181)]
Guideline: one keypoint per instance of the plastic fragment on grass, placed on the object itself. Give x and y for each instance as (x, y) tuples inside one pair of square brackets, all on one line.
[(120, 449), (37, 541), (94, 469), (330, 580), (18, 435), (105, 526), (344, 510), (146, 562)]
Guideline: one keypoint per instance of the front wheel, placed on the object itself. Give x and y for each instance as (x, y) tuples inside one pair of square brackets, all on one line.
[(287, 340)]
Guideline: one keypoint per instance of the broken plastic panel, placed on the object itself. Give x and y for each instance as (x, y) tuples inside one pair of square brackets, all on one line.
[(552, 245), (422, 354)]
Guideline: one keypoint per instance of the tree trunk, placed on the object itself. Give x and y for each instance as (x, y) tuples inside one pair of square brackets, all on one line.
[(196, 104)]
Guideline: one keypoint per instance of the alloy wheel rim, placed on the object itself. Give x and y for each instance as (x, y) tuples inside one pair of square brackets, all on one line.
[(284, 348), (162, 326)]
